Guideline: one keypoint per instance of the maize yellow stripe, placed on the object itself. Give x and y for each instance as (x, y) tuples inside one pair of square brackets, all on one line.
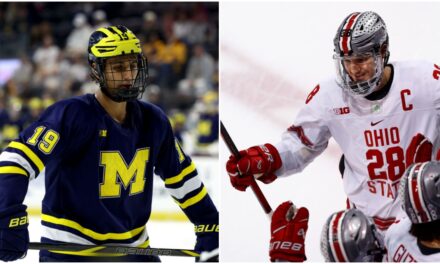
[(191, 253), (194, 199), (90, 233), (178, 216), (145, 244), (12, 169), (91, 252), (29, 153), (178, 178)]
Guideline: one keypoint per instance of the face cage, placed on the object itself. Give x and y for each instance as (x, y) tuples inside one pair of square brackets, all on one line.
[(377, 253), (358, 89), (139, 83)]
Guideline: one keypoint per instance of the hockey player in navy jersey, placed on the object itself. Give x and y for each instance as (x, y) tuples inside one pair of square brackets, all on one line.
[(99, 152)]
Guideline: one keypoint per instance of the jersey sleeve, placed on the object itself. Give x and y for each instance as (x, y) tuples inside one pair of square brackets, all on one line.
[(305, 139), (183, 183), (26, 157)]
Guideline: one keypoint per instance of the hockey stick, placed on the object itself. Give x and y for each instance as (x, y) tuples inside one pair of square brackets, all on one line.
[(255, 188), (115, 249)]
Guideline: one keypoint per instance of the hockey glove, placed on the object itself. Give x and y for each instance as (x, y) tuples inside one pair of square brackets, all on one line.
[(207, 242), (14, 235), (288, 232), (419, 150), (259, 162)]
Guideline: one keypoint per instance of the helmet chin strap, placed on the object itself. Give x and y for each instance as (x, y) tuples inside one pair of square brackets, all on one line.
[(384, 79)]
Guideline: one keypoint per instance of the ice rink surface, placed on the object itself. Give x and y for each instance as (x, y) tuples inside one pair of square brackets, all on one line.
[(272, 55)]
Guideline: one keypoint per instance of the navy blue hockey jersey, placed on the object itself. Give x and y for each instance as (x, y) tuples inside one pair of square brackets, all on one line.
[(99, 173)]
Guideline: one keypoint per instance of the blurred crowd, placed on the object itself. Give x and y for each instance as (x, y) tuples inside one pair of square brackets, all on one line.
[(43, 59)]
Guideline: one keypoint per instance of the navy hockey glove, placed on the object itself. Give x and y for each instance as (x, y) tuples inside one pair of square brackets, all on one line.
[(14, 235), (288, 232), (259, 162), (207, 241)]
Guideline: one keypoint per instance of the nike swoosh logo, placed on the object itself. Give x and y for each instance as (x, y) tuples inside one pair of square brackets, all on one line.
[(375, 123)]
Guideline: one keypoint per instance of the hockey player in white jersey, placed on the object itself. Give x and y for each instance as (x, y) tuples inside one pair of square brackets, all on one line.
[(372, 108), (350, 236), (416, 238)]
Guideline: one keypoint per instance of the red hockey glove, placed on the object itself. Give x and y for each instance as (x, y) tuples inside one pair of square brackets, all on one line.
[(288, 232), (259, 162), (419, 150)]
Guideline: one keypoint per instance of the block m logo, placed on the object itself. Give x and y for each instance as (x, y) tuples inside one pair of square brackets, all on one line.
[(117, 173)]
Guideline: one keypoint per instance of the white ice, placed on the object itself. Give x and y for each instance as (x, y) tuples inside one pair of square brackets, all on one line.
[(272, 55)]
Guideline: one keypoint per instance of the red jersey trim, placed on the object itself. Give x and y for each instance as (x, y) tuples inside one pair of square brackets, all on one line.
[(301, 135)]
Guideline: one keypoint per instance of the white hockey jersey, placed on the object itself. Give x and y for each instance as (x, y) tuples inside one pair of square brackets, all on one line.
[(403, 247), (373, 135)]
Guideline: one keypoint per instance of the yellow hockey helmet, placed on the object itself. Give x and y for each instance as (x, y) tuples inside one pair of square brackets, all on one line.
[(113, 41)]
